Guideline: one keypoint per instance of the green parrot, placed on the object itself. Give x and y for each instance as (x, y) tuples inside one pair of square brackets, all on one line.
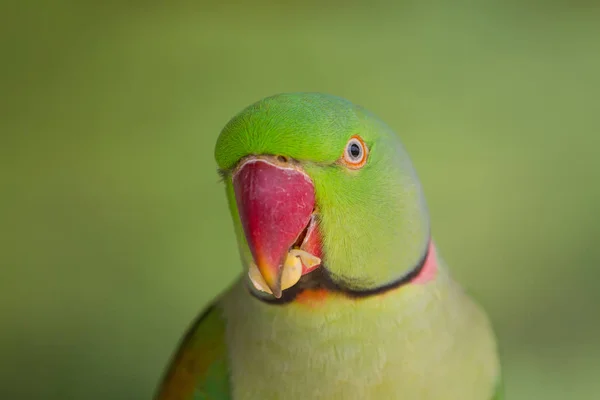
[(343, 293)]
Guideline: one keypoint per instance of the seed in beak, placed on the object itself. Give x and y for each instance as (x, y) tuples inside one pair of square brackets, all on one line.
[(291, 271)]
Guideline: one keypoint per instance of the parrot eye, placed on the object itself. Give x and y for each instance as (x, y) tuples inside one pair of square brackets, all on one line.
[(355, 153)]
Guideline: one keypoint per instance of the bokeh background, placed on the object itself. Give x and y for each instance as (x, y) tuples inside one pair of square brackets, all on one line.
[(115, 232)]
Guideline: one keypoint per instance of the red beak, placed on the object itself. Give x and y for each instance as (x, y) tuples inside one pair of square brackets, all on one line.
[(275, 205)]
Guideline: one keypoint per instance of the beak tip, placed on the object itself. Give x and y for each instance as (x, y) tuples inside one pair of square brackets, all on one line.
[(276, 288)]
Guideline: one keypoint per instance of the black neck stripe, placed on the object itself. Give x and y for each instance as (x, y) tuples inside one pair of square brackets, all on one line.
[(321, 279)]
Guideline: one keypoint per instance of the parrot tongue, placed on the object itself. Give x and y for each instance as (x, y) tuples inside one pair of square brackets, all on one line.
[(275, 202)]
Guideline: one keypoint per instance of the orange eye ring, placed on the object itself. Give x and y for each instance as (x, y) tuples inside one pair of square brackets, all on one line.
[(355, 153)]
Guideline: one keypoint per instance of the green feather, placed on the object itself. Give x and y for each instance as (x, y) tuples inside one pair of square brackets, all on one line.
[(200, 368), (363, 214), (499, 389)]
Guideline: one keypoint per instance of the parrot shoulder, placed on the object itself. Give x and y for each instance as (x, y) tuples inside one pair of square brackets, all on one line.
[(499, 394), (199, 369), (499, 388)]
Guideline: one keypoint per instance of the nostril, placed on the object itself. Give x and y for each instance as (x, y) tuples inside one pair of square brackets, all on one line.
[(282, 158)]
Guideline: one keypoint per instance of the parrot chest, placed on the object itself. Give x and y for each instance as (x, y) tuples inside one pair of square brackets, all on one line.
[(425, 343)]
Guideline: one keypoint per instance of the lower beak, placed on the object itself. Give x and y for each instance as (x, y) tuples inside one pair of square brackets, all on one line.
[(275, 203)]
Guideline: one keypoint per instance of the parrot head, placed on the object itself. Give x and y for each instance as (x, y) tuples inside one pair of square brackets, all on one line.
[(322, 195)]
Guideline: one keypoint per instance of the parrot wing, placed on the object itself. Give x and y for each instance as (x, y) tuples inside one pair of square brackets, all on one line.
[(199, 370)]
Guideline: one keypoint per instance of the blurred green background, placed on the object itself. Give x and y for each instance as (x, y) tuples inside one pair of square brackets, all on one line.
[(115, 231)]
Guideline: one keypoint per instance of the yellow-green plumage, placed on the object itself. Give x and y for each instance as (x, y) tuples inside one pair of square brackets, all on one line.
[(424, 339), (419, 342)]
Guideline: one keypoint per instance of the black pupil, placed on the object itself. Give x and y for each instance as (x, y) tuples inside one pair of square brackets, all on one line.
[(354, 150)]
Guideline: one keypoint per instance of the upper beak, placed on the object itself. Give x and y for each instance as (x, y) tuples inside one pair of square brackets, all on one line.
[(275, 203)]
